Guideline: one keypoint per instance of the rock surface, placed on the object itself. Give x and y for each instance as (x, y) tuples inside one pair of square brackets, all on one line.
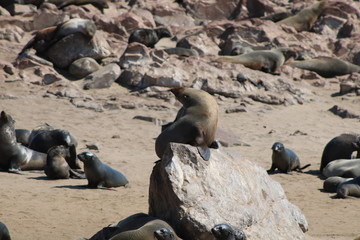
[(194, 195)]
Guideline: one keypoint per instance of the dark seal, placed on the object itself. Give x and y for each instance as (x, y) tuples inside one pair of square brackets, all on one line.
[(148, 37), (284, 159), (4, 232), (99, 174), (226, 232), (14, 156), (340, 147), (350, 188)]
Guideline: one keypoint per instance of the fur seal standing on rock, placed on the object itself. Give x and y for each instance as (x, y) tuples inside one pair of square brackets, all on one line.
[(305, 19), (153, 230), (331, 183), (343, 168), (284, 159), (340, 147), (46, 37), (267, 61), (4, 232), (99, 174), (196, 124), (148, 37), (56, 165), (326, 67), (226, 232), (14, 156), (350, 188)]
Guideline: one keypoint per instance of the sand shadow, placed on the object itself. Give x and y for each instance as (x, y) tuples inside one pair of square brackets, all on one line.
[(83, 187)]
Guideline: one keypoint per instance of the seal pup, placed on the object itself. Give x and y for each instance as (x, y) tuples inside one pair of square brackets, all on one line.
[(340, 147), (343, 168), (331, 183), (14, 156), (99, 4), (350, 188), (326, 67), (268, 61), (4, 232), (155, 229), (196, 124), (305, 19), (226, 232), (46, 37), (56, 165), (99, 174), (284, 159), (46, 139), (148, 37)]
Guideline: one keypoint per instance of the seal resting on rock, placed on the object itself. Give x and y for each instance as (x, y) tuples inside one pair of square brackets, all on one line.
[(350, 188), (326, 67), (331, 183), (226, 232), (4, 232), (148, 37), (305, 19), (340, 147), (343, 168), (100, 4), (268, 61), (284, 159), (56, 165), (99, 174), (14, 156), (195, 124)]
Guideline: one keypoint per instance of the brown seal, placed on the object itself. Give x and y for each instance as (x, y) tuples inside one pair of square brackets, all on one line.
[(195, 124), (327, 67), (148, 37), (350, 188), (267, 61), (331, 183), (305, 19), (152, 230), (99, 174), (340, 147), (56, 165), (343, 168), (14, 156), (100, 4), (46, 37)]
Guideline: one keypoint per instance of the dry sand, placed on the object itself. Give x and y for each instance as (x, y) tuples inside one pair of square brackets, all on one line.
[(36, 208)]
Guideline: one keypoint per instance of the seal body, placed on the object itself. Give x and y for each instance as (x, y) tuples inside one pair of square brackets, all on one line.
[(100, 4), (284, 159), (326, 66), (195, 124), (348, 168), (186, 52), (305, 19), (226, 232), (25, 136), (350, 188), (148, 37), (13, 155), (4, 232), (153, 230), (99, 174), (331, 183), (267, 61), (340, 147)]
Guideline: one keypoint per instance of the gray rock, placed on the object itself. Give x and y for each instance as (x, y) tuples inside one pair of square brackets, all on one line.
[(83, 66), (195, 195), (103, 78)]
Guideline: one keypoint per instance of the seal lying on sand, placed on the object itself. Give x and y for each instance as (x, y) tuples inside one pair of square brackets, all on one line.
[(56, 165), (267, 61), (331, 183), (14, 156), (4, 232), (148, 37), (99, 174), (226, 232), (326, 67), (350, 188), (46, 37), (349, 168), (25, 136), (340, 147), (196, 124), (284, 159), (305, 19)]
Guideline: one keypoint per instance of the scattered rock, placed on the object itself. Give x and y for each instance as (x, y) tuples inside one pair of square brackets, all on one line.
[(102, 78), (83, 66)]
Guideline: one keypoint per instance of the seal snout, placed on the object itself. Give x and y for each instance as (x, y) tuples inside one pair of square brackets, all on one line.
[(277, 147), (85, 156)]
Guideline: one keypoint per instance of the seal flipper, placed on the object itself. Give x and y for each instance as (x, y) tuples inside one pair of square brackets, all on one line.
[(76, 175), (204, 152)]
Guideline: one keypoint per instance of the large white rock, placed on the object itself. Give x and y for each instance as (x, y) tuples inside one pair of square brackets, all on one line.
[(193, 195)]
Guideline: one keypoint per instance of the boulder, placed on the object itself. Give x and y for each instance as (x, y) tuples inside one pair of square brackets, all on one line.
[(194, 195), (103, 78), (82, 67)]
